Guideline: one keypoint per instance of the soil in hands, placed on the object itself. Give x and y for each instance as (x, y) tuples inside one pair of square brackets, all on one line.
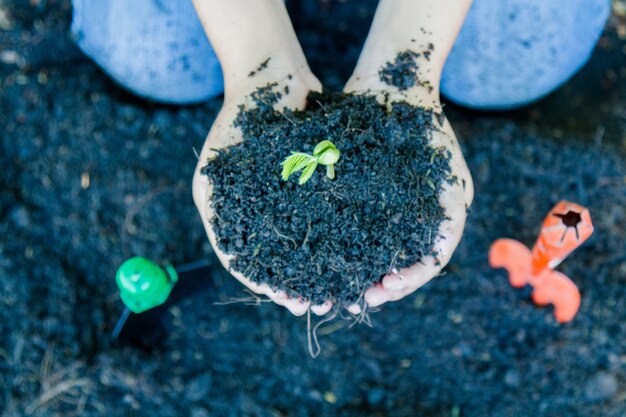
[(329, 239)]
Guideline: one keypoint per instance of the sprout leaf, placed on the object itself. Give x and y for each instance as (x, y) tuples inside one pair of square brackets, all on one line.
[(308, 172), (294, 163), (322, 147), (325, 153)]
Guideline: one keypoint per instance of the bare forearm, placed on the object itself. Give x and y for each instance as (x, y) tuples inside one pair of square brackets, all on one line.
[(410, 24), (246, 33), (414, 25)]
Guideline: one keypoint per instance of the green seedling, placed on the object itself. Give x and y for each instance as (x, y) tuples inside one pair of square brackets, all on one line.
[(325, 153)]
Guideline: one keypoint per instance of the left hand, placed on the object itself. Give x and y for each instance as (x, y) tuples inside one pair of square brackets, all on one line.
[(416, 25)]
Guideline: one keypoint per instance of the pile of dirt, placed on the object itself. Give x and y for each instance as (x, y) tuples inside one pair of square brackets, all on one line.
[(329, 239)]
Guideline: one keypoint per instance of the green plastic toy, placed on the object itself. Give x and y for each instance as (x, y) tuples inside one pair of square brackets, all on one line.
[(143, 284)]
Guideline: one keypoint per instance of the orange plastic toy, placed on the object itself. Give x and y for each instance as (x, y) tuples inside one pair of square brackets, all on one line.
[(565, 228)]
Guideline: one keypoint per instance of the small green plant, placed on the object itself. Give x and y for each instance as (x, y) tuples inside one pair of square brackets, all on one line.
[(325, 153)]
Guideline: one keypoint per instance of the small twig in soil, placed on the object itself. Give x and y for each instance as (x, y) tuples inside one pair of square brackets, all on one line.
[(308, 232), (60, 385), (321, 105), (45, 362), (245, 271), (362, 317), (295, 245), (334, 194), (57, 391), (257, 249), (308, 337), (252, 300), (285, 116), (347, 127), (393, 261), (312, 333), (298, 278), (82, 402)]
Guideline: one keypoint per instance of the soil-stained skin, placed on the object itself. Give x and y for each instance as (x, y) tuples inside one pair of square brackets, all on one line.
[(403, 72), (329, 239)]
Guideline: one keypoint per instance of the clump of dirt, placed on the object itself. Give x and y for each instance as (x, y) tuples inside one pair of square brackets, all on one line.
[(260, 68), (402, 73), (329, 239)]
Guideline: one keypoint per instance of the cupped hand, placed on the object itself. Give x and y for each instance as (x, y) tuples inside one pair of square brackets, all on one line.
[(265, 36), (251, 56), (428, 28), (455, 197), (224, 134)]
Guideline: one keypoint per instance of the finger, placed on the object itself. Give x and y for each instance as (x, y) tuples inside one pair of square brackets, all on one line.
[(416, 276), (354, 309), (296, 306), (322, 309), (376, 295)]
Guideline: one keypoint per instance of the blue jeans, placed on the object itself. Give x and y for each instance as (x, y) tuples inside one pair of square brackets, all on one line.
[(157, 49), (509, 52)]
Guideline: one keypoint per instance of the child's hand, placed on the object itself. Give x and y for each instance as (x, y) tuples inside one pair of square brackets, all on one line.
[(247, 33), (428, 28)]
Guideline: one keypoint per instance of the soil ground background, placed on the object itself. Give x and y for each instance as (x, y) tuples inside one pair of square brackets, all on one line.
[(90, 175)]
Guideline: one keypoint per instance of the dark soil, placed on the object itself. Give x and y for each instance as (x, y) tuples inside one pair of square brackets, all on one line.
[(329, 239), (261, 67), (466, 344), (403, 72)]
